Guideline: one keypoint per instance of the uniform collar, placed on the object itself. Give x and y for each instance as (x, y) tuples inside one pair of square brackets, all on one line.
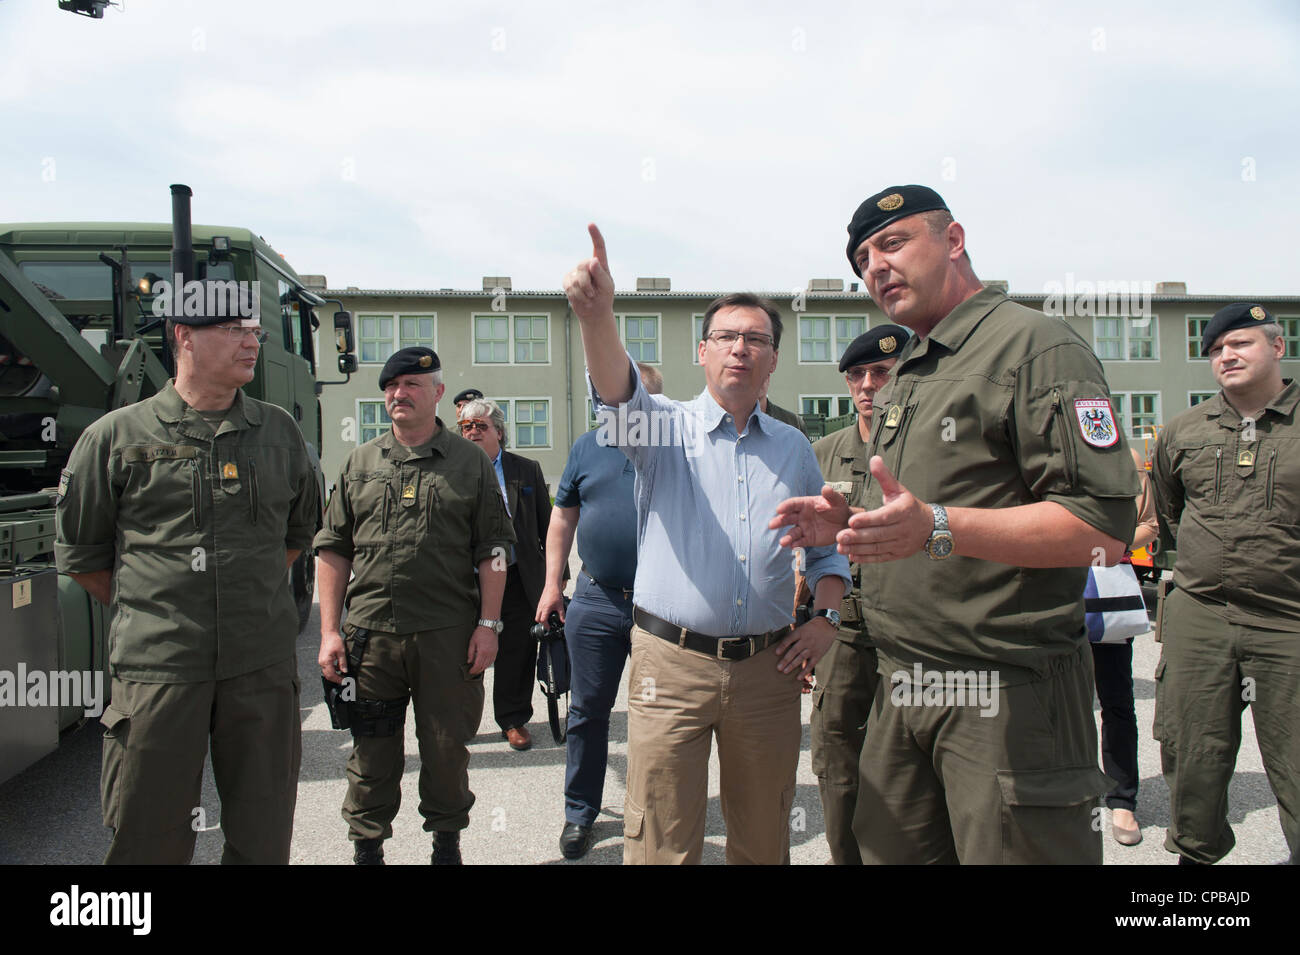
[(959, 324), (394, 450), (171, 408), (1283, 405)]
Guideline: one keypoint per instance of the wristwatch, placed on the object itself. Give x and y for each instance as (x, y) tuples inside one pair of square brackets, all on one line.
[(832, 615), (939, 545), (496, 626)]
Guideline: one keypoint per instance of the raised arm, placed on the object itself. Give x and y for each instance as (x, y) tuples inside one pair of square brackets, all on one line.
[(590, 289)]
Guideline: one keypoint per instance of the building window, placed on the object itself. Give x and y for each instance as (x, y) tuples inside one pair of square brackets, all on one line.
[(847, 329), (528, 421), (1195, 329), (375, 338), (374, 420), (491, 339), (1125, 339), (830, 406), (1137, 412), (1290, 334), (416, 330), (814, 338), (641, 337), (532, 339), (697, 325), (1194, 398)]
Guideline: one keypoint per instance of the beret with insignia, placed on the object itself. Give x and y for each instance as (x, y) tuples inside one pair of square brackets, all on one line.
[(1230, 317), (469, 394), (881, 342), (886, 206), (415, 360)]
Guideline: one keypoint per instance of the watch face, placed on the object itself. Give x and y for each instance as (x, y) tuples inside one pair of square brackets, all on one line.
[(834, 617), (940, 546)]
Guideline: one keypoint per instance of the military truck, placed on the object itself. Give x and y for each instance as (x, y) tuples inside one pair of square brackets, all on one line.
[(80, 336)]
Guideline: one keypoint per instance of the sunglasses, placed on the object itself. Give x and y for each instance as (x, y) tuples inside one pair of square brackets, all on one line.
[(470, 426)]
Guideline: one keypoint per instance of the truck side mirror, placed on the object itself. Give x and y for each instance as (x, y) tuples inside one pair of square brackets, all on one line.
[(343, 335), (347, 363)]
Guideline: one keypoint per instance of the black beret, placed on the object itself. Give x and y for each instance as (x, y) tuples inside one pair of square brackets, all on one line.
[(416, 360), (881, 342), (886, 206), (469, 394), (1236, 315)]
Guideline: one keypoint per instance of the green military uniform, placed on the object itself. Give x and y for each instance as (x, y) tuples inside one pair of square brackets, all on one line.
[(1228, 494), (195, 527), (846, 676), (999, 406), (414, 522)]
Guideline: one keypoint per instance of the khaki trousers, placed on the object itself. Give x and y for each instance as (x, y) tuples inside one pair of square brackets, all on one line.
[(1210, 668), (677, 701), (430, 666), (1012, 782), (846, 689), (156, 738)]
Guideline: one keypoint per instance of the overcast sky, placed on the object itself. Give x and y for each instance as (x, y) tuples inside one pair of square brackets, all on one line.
[(427, 144)]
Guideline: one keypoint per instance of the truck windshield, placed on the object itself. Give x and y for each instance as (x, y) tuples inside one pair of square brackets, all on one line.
[(93, 281)]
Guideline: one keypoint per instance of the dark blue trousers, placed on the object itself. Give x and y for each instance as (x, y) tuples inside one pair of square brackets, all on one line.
[(598, 631)]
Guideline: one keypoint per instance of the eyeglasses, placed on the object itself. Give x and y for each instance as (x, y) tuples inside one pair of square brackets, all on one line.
[(239, 331), (858, 372), (725, 338), (467, 427)]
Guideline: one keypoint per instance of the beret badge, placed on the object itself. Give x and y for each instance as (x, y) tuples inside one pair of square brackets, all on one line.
[(888, 344), (1257, 314), (890, 202)]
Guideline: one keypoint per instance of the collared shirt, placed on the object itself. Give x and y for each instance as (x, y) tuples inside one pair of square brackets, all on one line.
[(195, 527), (1229, 495), (415, 522), (705, 492), (501, 479), (999, 406)]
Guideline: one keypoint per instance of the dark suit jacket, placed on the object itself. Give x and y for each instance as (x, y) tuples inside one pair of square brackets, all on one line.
[(530, 509)]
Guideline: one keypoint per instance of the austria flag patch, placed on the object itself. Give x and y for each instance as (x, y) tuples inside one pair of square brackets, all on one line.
[(1096, 421)]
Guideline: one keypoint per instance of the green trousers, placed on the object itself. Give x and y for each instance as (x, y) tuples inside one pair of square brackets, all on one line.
[(846, 687), (1210, 669), (1008, 775), (448, 703), (156, 737)]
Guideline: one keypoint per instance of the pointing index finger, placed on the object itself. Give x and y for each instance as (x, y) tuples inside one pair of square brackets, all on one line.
[(598, 245)]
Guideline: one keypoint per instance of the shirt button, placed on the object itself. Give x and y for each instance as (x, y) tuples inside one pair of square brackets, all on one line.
[(739, 602), (742, 517), (742, 558), (727, 418), (741, 478)]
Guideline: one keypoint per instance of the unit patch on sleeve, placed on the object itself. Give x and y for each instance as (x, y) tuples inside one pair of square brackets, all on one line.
[(1096, 421)]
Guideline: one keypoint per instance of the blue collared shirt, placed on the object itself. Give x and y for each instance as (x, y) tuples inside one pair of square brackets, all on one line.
[(705, 492)]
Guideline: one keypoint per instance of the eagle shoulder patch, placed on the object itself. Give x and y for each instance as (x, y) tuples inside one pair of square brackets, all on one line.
[(1096, 422)]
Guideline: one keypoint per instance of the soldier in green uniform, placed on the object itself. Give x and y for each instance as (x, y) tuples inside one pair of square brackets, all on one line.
[(415, 511), (846, 676), (997, 475), (182, 513), (1226, 475)]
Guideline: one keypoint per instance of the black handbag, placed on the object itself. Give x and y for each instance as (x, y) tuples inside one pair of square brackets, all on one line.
[(553, 672)]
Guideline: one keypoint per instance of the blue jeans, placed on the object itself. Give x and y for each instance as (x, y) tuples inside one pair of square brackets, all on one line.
[(597, 629)]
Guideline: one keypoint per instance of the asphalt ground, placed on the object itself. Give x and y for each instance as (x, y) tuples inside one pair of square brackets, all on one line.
[(50, 812)]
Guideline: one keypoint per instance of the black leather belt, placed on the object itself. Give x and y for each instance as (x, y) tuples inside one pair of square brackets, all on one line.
[(724, 648)]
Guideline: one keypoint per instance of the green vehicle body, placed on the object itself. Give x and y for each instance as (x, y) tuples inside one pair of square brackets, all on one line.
[(60, 369)]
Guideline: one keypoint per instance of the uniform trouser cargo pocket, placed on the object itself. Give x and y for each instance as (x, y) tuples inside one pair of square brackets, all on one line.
[(1052, 816), (633, 830), (117, 729)]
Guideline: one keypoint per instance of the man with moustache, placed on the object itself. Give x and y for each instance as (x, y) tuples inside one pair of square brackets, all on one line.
[(713, 648), (1225, 478), (998, 474), (181, 513), (846, 676), (414, 512)]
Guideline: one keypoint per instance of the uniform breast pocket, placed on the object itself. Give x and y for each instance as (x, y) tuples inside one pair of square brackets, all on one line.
[(267, 476), (371, 505), (166, 495), (1203, 469)]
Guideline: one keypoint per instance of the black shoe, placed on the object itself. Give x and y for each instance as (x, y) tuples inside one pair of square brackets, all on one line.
[(446, 848), (575, 840), (368, 852), (1183, 860)]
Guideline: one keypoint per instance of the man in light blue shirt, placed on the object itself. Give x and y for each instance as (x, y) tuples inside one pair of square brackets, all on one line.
[(713, 649)]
